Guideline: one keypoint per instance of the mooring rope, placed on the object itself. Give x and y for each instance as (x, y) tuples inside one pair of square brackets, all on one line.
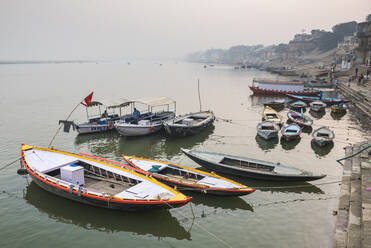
[(10, 164), (204, 229)]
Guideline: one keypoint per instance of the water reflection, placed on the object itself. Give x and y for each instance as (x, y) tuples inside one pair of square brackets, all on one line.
[(317, 114), (266, 145), (275, 186), (150, 146), (321, 150), (260, 100), (224, 202), (289, 144), (307, 130), (157, 223), (337, 116)]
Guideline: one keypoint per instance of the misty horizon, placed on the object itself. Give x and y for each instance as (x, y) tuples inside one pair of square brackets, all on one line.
[(40, 30)]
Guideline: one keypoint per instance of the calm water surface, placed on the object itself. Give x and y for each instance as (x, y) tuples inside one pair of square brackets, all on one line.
[(34, 97)]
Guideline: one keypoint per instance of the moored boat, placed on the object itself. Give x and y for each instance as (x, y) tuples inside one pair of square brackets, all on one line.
[(299, 106), (188, 178), (152, 122), (276, 104), (319, 84), (339, 108), (272, 115), (327, 100), (189, 124), (97, 182), (268, 130), (276, 87), (323, 136), (300, 118), (291, 131), (248, 167), (317, 106)]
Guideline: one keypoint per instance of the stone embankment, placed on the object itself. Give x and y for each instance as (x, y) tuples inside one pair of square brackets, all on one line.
[(353, 223)]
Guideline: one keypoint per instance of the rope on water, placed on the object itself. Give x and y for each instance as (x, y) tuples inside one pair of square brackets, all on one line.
[(10, 164), (204, 229)]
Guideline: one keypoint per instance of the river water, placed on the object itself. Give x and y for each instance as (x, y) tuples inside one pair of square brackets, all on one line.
[(33, 97)]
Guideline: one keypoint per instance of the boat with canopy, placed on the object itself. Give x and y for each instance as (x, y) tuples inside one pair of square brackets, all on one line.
[(149, 120), (96, 181)]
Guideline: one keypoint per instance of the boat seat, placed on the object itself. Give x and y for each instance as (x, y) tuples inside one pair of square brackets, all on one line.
[(216, 182), (149, 165)]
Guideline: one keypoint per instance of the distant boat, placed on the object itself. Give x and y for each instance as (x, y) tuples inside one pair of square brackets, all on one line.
[(291, 131), (95, 181), (327, 100), (299, 118), (249, 167), (298, 106), (188, 178), (189, 124), (276, 104), (268, 130), (323, 136), (272, 115), (340, 108), (317, 106), (319, 84), (275, 87)]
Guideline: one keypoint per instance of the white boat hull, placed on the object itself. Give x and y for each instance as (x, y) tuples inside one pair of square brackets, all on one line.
[(93, 128), (137, 130)]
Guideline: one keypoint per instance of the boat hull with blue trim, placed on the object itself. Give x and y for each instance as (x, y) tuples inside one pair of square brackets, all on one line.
[(189, 179), (327, 100)]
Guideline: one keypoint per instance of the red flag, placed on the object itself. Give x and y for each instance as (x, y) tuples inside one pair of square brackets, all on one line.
[(87, 100)]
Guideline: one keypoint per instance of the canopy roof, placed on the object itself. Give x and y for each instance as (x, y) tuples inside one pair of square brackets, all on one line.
[(120, 103), (94, 103), (157, 101)]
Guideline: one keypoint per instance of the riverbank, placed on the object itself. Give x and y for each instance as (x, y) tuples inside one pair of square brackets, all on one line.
[(353, 222)]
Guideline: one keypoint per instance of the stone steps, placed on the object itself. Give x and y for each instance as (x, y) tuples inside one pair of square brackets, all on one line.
[(353, 222), (358, 99)]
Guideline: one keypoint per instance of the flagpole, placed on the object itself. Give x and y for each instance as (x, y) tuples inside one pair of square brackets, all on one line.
[(87, 102), (60, 125)]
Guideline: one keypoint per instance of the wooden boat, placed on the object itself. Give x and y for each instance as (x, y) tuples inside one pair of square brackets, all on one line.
[(291, 132), (188, 178), (95, 181), (101, 122), (298, 105), (274, 87), (319, 84), (327, 100), (299, 118), (272, 115), (189, 124), (340, 108), (323, 136), (148, 123), (317, 106), (276, 104), (248, 167), (268, 130)]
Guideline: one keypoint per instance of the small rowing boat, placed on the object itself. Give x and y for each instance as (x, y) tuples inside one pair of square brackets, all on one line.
[(299, 118), (298, 106), (339, 108), (276, 104), (291, 132), (272, 115), (248, 167), (188, 178), (323, 136), (317, 106), (189, 124), (268, 130), (96, 181)]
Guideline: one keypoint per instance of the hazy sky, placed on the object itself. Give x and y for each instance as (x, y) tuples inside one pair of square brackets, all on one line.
[(88, 29)]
